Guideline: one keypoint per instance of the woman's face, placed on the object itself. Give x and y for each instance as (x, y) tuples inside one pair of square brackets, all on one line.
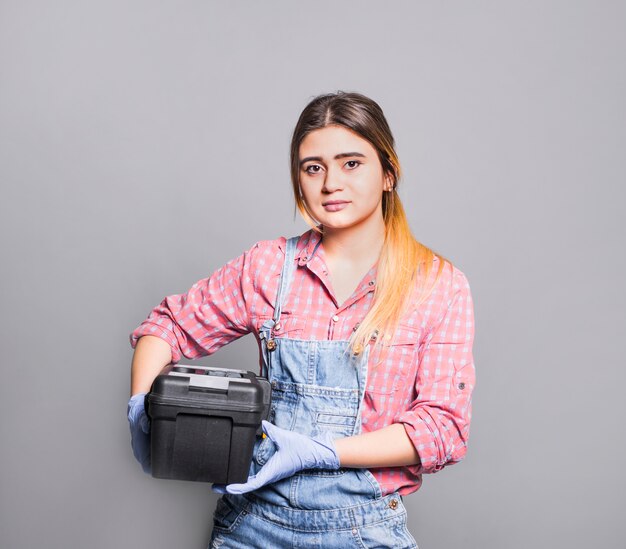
[(341, 178)]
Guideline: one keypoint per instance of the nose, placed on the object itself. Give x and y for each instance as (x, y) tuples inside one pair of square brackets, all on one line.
[(332, 182)]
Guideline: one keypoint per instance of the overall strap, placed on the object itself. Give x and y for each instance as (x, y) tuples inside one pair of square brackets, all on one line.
[(286, 277)]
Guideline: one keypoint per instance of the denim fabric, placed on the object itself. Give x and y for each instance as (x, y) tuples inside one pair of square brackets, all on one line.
[(243, 522), (317, 386)]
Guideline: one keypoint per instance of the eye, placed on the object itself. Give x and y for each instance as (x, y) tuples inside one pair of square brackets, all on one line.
[(351, 164), (313, 169)]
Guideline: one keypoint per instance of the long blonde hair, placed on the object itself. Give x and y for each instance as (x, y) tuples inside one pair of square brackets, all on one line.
[(405, 265)]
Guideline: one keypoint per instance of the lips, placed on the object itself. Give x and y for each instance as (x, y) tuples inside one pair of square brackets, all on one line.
[(335, 205)]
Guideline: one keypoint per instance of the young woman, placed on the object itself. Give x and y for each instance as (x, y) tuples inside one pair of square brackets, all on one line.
[(365, 334)]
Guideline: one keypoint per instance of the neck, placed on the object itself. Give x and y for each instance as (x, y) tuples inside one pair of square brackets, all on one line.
[(362, 243)]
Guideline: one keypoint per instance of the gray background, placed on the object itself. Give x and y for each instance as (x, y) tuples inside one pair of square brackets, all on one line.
[(143, 144)]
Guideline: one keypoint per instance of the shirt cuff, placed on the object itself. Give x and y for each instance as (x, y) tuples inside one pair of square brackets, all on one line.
[(427, 439)]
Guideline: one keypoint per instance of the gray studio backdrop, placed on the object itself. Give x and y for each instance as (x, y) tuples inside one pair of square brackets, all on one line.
[(143, 144)]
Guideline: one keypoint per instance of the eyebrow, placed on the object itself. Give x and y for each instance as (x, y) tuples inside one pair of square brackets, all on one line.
[(337, 157)]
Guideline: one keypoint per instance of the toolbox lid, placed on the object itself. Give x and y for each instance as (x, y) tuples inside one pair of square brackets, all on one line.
[(202, 386)]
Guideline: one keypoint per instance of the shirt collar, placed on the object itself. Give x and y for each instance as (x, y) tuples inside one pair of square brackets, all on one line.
[(307, 246)]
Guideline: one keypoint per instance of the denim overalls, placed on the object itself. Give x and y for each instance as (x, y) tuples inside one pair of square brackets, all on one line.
[(316, 386)]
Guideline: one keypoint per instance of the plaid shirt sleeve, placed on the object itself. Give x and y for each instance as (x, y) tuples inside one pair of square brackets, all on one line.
[(438, 418), (210, 315)]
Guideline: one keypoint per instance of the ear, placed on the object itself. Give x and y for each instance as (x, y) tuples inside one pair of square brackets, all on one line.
[(389, 182)]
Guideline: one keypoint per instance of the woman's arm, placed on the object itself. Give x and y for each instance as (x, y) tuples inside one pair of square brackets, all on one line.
[(386, 447), (294, 452), (438, 419), (209, 315), (151, 355)]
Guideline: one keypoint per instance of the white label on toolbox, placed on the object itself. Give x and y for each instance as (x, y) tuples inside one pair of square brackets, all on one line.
[(210, 382)]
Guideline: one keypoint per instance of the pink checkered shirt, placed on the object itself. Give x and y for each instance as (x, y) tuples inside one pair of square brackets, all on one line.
[(425, 381)]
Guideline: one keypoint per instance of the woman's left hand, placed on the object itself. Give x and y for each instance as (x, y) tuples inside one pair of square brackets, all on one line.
[(294, 453)]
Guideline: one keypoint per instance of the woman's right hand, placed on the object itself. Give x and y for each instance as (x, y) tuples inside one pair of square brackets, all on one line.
[(139, 431)]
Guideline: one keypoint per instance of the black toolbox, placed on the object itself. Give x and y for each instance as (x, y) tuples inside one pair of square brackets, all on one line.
[(204, 422)]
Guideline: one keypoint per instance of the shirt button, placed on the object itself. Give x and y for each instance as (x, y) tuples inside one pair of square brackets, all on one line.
[(461, 386), (372, 282), (335, 318)]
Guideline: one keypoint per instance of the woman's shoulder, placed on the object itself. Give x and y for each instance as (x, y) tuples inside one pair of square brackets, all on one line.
[(444, 282), (451, 276), (264, 251)]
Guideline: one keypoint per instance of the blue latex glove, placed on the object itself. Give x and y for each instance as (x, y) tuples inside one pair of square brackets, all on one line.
[(294, 453), (139, 431)]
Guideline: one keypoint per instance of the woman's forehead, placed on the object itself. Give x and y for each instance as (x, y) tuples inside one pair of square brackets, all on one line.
[(333, 140)]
